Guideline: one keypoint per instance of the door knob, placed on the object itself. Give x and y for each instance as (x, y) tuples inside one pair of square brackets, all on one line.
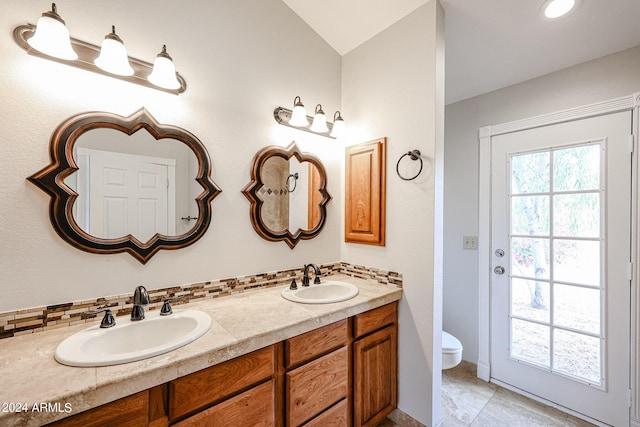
[(499, 270)]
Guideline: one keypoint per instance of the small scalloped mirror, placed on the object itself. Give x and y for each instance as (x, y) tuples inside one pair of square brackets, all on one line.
[(288, 194)]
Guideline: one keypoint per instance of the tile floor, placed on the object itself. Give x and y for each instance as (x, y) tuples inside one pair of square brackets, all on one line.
[(469, 401)]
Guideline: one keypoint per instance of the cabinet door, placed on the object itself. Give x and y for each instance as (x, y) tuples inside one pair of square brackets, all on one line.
[(375, 378), (365, 193)]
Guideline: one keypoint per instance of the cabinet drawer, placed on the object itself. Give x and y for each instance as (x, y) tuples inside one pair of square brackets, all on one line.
[(305, 347), (254, 407), (211, 385), (375, 319), (316, 386), (130, 411), (336, 416)]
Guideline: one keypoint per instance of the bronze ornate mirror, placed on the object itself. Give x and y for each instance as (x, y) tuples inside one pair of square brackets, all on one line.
[(127, 184), (288, 194)]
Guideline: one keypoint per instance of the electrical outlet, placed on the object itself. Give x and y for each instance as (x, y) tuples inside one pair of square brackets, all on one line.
[(470, 242)]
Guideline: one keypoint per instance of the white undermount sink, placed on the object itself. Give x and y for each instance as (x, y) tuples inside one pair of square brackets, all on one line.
[(129, 341), (324, 293)]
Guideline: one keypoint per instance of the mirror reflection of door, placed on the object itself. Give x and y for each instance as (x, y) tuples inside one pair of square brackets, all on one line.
[(129, 194), (298, 197), (290, 194), (133, 185)]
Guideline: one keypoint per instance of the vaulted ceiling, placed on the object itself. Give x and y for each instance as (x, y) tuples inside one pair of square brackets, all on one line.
[(490, 44)]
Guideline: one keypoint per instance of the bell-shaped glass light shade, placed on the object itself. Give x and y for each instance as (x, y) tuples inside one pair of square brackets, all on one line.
[(298, 114), (52, 37), (164, 72), (558, 8), (319, 124), (113, 55), (338, 125)]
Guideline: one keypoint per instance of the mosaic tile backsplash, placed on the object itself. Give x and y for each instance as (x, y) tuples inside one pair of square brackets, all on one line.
[(40, 319)]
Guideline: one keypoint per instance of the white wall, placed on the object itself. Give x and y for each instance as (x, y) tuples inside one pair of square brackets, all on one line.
[(240, 58), (599, 80), (393, 86)]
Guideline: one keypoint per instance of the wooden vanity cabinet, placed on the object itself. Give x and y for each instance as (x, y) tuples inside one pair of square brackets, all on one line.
[(342, 374), (375, 365)]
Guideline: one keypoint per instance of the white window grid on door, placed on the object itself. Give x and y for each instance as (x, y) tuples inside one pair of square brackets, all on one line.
[(551, 236)]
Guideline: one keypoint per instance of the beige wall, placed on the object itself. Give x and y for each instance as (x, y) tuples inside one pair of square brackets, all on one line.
[(393, 86)]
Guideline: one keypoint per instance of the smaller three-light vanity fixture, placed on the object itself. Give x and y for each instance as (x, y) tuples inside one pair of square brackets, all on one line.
[(298, 119), (50, 39)]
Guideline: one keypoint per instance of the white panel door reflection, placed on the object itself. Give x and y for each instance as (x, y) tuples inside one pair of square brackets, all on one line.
[(130, 194)]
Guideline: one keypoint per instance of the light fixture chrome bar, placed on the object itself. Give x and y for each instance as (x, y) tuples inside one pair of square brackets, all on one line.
[(283, 115), (87, 52)]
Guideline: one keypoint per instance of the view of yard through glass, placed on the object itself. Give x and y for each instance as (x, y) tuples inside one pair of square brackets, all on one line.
[(556, 251)]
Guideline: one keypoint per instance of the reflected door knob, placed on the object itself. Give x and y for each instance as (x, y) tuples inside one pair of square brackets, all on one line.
[(499, 270)]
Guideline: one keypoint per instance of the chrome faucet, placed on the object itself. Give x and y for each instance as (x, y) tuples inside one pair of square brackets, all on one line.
[(140, 298), (305, 276)]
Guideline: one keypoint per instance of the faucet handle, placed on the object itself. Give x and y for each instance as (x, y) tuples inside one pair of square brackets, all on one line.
[(140, 296), (166, 307), (316, 281), (293, 286), (108, 320)]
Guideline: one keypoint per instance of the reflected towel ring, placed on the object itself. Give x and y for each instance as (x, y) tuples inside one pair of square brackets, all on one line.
[(414, 155), (295, 182)]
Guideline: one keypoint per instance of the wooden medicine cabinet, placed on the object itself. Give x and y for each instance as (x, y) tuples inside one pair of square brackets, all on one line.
[(365, 193)]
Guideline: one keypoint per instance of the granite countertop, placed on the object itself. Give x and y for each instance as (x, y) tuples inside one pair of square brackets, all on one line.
[(241, 323)]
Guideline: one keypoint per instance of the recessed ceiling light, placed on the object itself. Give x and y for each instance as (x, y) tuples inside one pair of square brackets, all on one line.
[(557, 8)]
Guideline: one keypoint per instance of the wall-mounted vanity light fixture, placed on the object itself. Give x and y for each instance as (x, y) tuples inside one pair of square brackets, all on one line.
[(50, 39), (298, 119)]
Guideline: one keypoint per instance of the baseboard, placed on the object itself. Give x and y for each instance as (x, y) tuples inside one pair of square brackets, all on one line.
[(635, 422), (484, 371)]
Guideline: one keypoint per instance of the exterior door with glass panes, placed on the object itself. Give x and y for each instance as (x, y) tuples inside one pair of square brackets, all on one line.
[(560, 289)]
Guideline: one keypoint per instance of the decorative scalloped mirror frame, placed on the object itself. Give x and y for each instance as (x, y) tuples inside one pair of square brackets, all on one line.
[(251, 193), (51, 180)]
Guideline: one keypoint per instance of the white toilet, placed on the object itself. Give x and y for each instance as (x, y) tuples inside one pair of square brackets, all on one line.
[(451, 351)]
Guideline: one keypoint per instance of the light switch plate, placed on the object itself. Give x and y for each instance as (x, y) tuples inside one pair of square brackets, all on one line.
[(470, 242)]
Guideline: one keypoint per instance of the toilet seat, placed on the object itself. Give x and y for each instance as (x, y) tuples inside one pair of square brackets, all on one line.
[(450, 344), (451, 351)]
